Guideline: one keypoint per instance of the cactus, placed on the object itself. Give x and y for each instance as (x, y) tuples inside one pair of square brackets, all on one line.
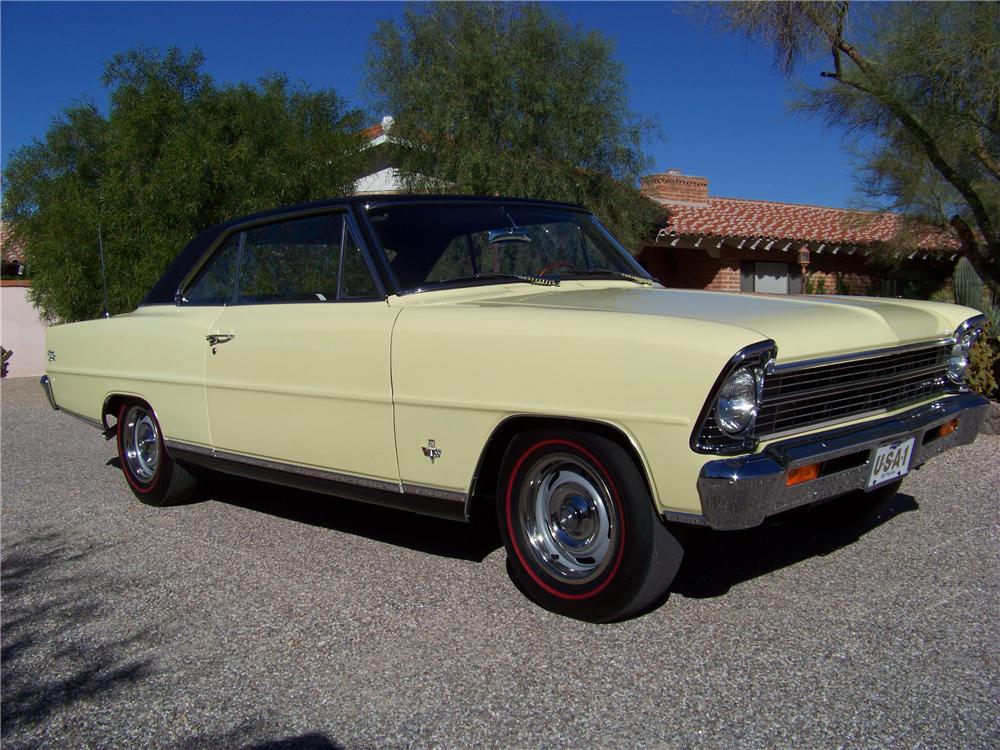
[(968, 286)]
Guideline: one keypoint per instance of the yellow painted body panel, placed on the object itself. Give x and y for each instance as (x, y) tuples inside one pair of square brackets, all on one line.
[(360, 388), (640, 359), (307, 384), (157, 352)]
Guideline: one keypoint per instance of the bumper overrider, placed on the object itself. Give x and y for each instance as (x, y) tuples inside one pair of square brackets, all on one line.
[(738, 493)]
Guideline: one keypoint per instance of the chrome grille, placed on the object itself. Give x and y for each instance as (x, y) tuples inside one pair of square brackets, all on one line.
[(798, 398)]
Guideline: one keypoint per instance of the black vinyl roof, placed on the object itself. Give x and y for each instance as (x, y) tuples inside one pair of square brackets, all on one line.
[(165, 289)]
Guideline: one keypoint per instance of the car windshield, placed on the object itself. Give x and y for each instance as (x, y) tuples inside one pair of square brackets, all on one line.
[(431, 245)]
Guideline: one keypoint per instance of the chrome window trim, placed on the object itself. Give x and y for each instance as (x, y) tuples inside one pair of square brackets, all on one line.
[(629, 258), (224, 237), (367, 207)]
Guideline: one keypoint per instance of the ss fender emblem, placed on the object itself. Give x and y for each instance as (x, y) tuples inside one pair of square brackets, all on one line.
[(431, 450)]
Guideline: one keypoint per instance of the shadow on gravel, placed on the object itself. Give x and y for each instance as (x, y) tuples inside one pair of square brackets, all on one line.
[(310, 741), (50, 656), (715, 561), (472, 542), (251, 737)]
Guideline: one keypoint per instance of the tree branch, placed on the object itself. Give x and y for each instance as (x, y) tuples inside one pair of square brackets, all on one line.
[(985, 156), (925, 139)]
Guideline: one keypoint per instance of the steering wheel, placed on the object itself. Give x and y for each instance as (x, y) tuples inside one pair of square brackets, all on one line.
[(553, 266)]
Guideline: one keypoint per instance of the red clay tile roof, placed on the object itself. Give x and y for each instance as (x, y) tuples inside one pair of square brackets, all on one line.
[(12, 250), (734, 217), (373, 131)]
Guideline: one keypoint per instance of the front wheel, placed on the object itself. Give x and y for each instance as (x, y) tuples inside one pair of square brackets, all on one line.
[(578, 523), (153, 477)]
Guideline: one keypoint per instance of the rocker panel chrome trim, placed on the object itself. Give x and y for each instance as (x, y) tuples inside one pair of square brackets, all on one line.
[(435, 492), (47, 387), (86, 420), (431, 501)]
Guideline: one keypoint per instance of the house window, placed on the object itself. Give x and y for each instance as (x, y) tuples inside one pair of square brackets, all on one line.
[(770, 277)]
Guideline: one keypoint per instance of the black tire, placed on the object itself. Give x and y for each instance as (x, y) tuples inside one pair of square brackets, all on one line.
[(859, 508), (152, 475), (578, 523)]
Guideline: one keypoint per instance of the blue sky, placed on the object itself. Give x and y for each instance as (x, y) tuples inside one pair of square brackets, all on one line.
[(721, 108)]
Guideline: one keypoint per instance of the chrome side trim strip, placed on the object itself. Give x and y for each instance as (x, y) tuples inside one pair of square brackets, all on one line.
[(451, 496), (86, 420), (47, 387), (264, 463), (689, 519), (439, 494)]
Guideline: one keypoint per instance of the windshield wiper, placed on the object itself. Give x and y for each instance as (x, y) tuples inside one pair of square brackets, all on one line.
[(540, 280), (608, 272)]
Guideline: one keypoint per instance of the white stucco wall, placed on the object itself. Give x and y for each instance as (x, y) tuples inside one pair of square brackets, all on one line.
[(21, 331), (384, 181)]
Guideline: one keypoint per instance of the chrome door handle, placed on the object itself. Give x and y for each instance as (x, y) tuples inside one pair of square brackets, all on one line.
[(215, 339)]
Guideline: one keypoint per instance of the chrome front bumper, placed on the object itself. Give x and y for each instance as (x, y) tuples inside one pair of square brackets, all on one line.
[(739, 493)]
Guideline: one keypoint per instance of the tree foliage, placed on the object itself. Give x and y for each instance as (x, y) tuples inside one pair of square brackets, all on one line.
[(509, 99), (924, 80), (175, 154)]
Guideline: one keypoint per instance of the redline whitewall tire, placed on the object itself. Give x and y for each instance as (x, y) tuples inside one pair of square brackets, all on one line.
[(582, 536), (154, 477)]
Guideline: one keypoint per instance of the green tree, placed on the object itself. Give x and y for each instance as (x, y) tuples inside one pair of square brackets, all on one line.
[(509, 99), (175, 154), (922, 81)]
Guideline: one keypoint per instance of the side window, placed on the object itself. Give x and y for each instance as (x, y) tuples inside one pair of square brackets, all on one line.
[(294, 261), (216, 283), (357, 282)]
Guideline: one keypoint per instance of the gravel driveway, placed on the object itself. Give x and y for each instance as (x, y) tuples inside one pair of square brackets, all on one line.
[(267, 618)]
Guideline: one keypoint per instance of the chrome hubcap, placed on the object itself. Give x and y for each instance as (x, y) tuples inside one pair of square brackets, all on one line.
[(567, 517), (141, 443)]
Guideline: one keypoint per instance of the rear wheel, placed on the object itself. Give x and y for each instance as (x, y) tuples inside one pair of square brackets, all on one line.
[(153, 477), (578, 523)]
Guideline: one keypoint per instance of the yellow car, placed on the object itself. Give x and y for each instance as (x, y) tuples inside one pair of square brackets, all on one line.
[(461, 357)]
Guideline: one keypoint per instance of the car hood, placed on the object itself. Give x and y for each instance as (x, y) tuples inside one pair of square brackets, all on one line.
[(802, 326)]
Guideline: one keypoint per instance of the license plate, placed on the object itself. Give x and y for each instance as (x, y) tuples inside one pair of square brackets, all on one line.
[(890, 462)]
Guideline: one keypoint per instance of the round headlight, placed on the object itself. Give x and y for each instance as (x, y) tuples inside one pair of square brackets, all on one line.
[(737, 403), (958, 358)]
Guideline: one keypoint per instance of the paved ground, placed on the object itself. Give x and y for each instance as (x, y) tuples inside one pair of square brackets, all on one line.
[(265, 618)]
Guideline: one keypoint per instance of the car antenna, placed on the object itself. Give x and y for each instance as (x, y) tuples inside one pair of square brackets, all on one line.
[(105, 313)]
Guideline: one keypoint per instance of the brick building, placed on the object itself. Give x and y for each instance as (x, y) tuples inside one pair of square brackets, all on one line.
[(733, 244)]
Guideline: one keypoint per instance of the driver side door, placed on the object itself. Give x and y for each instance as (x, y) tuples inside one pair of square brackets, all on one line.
[(298, 366)]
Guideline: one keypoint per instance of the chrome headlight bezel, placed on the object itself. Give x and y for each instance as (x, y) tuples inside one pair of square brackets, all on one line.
[(962, 341), (708, 435), (738, 401)]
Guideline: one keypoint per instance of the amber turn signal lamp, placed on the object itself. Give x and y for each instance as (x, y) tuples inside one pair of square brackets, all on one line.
[(947, 428), (802, 474)]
